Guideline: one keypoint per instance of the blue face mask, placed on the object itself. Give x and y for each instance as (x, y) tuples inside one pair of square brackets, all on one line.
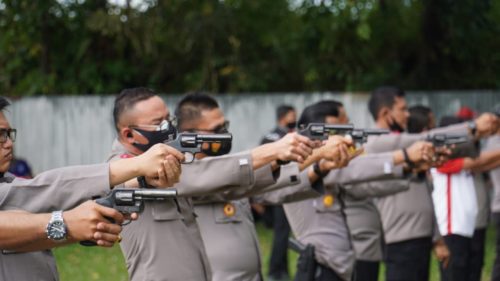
[(165, 132)]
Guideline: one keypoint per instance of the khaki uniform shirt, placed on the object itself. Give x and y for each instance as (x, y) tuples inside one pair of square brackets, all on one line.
[(228, 229), (492, 144), (59, 189), (483, 202), (397, 211), (319, 221), (165, 243)]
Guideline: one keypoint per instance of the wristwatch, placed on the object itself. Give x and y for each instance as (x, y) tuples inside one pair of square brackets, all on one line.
[(407, 159), (56, 228), (318, 172)]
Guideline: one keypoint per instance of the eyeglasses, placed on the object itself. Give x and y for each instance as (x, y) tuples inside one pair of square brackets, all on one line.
[(7, 133), (221, 129), (164, 125)]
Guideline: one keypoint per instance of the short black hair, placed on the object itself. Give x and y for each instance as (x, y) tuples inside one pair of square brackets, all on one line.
[(449, 120), (283, 110), (127, 99), (383, 97), (3, 103), (317, 113), (419, 118), (191, 106)]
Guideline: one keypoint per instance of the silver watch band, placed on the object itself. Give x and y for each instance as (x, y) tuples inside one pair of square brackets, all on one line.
[(56, 216)]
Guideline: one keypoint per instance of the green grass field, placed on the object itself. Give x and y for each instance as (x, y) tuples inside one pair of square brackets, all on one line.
[(81, 263)]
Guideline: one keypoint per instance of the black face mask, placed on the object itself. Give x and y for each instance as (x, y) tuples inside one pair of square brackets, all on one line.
[(395, 127), (291, 125), (155, 137), (218, 149)]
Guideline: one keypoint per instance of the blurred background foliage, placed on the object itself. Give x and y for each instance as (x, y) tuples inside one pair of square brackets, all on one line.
[(230, 46)]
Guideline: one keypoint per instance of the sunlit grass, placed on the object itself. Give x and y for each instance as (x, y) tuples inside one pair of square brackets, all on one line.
[(77, 263)]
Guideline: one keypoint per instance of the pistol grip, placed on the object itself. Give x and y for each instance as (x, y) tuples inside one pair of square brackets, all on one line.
[(103, 202)]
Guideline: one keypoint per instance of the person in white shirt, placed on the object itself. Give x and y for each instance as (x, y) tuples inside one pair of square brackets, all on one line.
[(456, 207)]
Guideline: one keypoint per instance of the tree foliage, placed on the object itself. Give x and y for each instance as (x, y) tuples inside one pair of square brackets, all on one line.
[(230, 46)]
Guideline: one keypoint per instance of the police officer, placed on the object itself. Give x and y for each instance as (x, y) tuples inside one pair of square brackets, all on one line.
[(225, 223), (60, 189), (325, 227), (408, 222), (286, 117), (166, 243)]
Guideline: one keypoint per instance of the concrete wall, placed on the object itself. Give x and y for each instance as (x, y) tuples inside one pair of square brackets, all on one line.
[(60, 131)]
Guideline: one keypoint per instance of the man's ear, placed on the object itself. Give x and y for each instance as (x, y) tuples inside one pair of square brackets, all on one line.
[(383, 113), (127, 135)]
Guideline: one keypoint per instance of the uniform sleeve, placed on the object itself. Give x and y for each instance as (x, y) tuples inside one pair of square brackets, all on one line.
[(492, 143), (216, 174), (376, 188), (59, 189), (263, 177), (265, 180), (300, 191), (368, 167), (385, 143), (288, 175), (461, 128)]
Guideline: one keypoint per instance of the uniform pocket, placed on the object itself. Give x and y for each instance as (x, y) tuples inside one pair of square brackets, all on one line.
[(165, 210)]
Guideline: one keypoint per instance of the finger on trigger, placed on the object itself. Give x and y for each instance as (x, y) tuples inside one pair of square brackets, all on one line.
[(348, 139), (110, 213), (161, 174), (109, 237), (103, 243)]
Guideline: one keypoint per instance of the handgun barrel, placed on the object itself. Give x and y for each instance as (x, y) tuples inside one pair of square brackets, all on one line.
[(214, 137), (376, 131), (458, 140), (448, 137), (339, 127), (155, 194)]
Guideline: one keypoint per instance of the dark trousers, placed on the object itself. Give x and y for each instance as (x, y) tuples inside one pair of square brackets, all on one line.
[(323, 273), (477, 254), (408, 260), (459, 266), (366, 270), (278, 265), (495, 276), (326, 274)]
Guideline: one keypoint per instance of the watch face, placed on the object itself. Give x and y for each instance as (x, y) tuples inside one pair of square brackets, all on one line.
[(56, 230)]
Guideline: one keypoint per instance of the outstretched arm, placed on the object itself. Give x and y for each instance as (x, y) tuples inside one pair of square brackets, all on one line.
[(23, 231)]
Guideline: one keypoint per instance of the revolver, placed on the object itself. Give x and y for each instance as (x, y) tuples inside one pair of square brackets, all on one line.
[(130, 200), (440, 140), (190, 143), (360, 136), (321, 131), (446, 140)]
